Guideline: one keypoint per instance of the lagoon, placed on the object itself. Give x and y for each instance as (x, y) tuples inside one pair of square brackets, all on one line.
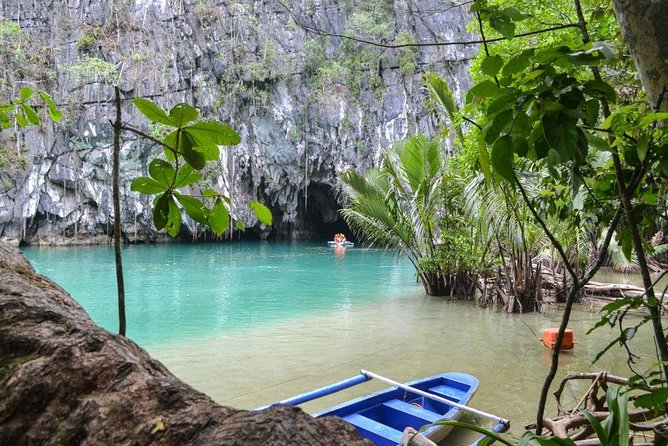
[(252, 322)]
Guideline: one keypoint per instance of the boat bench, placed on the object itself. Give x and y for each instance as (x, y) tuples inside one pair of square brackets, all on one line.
[(397, 412)]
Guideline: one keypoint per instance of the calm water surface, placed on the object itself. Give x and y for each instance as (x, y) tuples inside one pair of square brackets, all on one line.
[(250, 323)]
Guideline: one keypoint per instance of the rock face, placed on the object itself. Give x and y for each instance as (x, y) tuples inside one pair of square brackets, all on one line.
[(63, 380), (307, 107)]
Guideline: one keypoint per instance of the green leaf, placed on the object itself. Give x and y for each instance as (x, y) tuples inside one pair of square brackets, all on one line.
[(598, 428), (503, 158), (21, 120), (173, 225), (491, 65), (263, 213), (153, 112), (652, 117), (161, 211), (210, 193), (208, 133), (484, 160), (194, 158), (186, 176), (643, 143), (210, 152), (182, 114), (26, 93), (147, 186), (219, 220), (599, 143), (194, 208), (654, 400), (55, 114), (240, 225), (627, 245), (485, 89), (600, 89), (162, 171), (503, 24), (30, 114), (518, 63)]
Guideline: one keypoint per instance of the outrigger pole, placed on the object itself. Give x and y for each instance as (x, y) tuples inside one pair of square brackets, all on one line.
[(435, 397)]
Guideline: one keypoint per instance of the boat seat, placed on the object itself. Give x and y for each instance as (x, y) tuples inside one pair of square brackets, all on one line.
[(455, 395), (373, 430), (423, 416)]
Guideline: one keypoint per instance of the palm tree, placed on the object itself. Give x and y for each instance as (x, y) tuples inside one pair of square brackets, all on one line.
[(398, 205)]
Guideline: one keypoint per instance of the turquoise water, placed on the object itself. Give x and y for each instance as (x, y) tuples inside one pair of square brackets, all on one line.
[(180, 291), (250, 323)]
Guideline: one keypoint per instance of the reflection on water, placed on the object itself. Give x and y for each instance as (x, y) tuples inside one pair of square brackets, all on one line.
[(249, 324)]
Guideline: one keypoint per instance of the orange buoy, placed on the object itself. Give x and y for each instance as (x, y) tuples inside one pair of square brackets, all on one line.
[(550, 338)]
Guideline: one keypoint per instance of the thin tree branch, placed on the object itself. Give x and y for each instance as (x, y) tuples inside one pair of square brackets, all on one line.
[(322, 32)]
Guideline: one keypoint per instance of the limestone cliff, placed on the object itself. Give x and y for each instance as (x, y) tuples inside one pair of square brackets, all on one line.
[(307, 106)]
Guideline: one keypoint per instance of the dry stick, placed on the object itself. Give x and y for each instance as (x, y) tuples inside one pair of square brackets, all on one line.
[(117, 214)]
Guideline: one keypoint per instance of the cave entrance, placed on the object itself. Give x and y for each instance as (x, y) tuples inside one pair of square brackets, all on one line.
[(320, 220)]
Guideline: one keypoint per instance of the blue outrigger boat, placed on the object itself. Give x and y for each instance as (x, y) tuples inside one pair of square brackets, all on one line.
[(383, 416)]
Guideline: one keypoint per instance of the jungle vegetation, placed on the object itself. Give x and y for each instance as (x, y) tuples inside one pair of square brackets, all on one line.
[(563, 154)]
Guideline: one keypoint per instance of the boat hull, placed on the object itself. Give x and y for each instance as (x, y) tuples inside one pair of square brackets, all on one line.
[(382, 416)]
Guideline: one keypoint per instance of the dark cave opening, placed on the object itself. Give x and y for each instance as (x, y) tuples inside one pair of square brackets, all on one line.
[(320, 219)]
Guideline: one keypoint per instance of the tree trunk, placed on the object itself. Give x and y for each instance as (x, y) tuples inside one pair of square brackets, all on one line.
[(63, 380), (643, 24)]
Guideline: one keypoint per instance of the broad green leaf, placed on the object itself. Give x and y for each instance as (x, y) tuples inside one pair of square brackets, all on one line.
[(491, 65), (162, 171), (503, 24), (210, 193), (553, 161), (592, 109), (240, 225), (186, 176), (654, 400), (263, 213), (485, 89), (514, 14), (627, 245), (599, 143), (25, 93), (55, 114), (194, 158), (153, 112), (4, 117), (194, 208), (503, 158), (652, 117), (30, 114), (170, 140), (518, 63), (161, 211), (212, 133), (210, 152), (182, 114), (219, 219), (643, 143), (600, 89), (147, 186), (173, 225), (21, 120)]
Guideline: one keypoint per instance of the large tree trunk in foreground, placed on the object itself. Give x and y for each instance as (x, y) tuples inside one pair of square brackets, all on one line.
[(63, 380), (643, 24)]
